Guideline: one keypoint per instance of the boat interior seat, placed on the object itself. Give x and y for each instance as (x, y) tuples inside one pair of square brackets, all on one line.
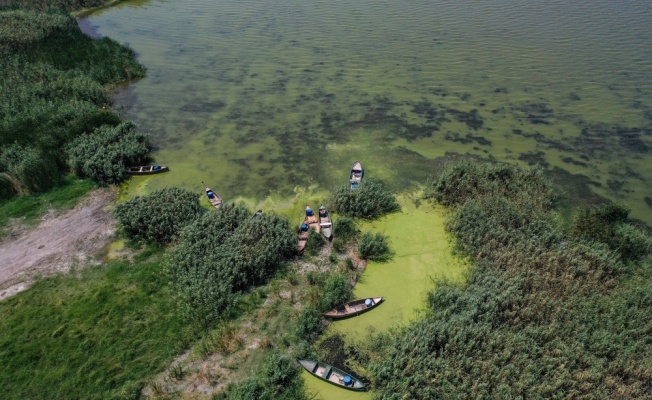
[(327, 372)]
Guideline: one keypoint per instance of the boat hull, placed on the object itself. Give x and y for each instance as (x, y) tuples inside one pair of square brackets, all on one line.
[(216, 201), (333, 375), (353, 308), (146, 170)]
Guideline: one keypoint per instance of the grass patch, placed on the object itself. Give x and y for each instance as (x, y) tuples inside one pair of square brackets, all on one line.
[(32, 207), (96, 334)]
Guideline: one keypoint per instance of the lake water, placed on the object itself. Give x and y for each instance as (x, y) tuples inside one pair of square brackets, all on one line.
[(258, 98)]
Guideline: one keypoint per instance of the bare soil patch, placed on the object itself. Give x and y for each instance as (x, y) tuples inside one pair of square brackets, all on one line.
[(73, 237)]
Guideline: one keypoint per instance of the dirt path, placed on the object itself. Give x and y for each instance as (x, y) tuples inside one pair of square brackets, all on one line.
[(57, 243)]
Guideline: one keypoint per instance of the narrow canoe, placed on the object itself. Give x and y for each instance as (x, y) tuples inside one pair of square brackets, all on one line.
[(325, 223), (213, 198), (311, 219), (333, 375), (357, 173), (353, 308), (147, 170)]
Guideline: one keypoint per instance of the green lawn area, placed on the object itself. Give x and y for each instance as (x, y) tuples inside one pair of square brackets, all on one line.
[(98, 333)]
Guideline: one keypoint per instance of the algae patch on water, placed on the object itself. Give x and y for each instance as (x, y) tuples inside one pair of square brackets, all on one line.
[(423, 256)]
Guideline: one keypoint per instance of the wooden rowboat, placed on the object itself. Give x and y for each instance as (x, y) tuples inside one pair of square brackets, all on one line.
[(353, 308), (147, 170), (311, 219), (357, 173), (325, 223), (213, 198), (302, 236), (333, 375)]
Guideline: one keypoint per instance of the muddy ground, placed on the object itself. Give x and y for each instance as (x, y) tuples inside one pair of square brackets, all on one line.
[(61, 240)]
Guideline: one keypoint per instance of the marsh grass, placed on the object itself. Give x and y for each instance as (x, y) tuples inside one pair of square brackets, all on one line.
[(99, 333)]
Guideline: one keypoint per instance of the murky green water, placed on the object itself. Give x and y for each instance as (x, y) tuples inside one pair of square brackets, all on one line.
[(259, 97)]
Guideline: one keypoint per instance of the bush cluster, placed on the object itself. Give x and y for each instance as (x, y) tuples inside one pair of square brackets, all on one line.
[(160, 216), (546, 313), (374, 247), (369, 201), (224, 253), (344, 230), (105, 154), (51, 93)]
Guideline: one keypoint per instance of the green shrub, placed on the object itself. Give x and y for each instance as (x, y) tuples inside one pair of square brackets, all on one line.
[(7, 187), (607, 224), (51, 92), (374, 247), (309, 323), (370, 200), (316, 242), (30, 168), (105, 154), (465, 180), (280, 379), (223, 254), (336, 291), (160, 216)]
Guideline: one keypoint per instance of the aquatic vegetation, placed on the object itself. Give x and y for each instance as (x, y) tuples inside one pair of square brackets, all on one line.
[(465, 180), (374, 247), (160, 216), (105, 154), (52, 92), (531, 273), (370, 200)]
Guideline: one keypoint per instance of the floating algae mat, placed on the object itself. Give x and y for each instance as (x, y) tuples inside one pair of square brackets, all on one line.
[(422, 257)]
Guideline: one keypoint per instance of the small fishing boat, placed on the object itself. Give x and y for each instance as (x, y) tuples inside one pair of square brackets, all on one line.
[(147, 170), (353, 308), (333, 375), (356, 175), (325, 223), (311, 219), (302, 236), (213, 198)]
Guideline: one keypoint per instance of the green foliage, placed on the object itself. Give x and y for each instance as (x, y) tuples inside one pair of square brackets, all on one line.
[(336, 291), (370, 200), (544, 314), (465, 180), (309, 322), (607, 224), (31, 169), (224, 253), (316, 242), (51, 93), (45, 5), (7, 187), (345, 228), (374, 247), (160, 216), (99, 333), (105, 154), (280, 380)]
